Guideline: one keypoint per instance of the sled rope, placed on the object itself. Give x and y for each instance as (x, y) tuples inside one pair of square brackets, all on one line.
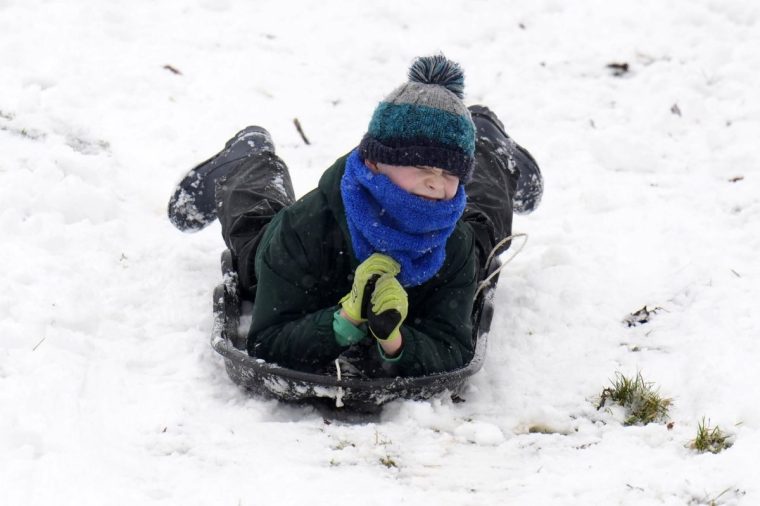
[(339, 395), (503, 264)]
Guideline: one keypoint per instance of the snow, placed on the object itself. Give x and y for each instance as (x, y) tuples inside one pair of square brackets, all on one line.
[(110, 391)]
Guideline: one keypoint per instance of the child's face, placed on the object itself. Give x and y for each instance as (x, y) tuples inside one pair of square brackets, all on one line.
[(427, 182)]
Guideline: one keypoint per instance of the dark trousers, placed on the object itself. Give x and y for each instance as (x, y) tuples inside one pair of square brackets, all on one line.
[(261, 186)]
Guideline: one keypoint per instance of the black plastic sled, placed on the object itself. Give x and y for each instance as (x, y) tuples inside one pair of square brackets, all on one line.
[(362, 394)]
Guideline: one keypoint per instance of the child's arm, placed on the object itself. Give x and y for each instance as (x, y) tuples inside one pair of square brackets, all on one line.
[(436, 334), (292, 325)]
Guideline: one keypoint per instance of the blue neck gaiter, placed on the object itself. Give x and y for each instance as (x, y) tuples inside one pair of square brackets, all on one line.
[(383, 218)]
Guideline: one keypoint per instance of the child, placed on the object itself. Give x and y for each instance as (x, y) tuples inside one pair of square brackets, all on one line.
[(380, 263)]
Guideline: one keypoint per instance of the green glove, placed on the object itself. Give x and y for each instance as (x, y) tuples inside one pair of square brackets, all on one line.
[(389, 308), (356, 301)]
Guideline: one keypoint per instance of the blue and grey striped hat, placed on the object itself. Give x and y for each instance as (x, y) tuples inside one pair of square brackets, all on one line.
[(424, 121)]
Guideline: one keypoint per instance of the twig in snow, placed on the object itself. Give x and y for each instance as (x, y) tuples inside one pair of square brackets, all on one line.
[(300, 130), (736, 179), (172, 69), (38, 344), (619, 69)]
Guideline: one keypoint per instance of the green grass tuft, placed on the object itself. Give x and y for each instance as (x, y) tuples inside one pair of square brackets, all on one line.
[(387, 461), (641, 400), (710, 439)]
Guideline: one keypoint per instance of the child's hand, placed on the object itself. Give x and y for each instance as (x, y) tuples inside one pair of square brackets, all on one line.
[(355, 303), (389, 308)]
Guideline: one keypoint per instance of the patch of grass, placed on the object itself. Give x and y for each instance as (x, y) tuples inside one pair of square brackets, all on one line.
[(388, 461), (541, 429), (732, 496), (641, 400), (343, 444), (710, 439)]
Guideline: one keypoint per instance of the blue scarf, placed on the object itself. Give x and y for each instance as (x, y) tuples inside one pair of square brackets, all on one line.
[(386, 219)]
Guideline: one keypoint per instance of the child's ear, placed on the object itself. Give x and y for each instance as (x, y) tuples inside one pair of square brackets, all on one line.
[(371, 165)]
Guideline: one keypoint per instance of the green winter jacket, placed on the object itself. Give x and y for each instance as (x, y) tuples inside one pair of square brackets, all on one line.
[(305, 264)]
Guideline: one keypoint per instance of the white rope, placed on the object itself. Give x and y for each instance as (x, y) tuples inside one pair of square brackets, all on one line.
[(339, 395), (515, 252)]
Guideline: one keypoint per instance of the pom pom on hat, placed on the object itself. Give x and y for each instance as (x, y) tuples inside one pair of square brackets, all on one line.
[(438, 70), (424, 121)]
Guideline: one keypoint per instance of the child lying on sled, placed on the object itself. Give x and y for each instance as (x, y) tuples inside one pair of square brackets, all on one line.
[(380, 263)]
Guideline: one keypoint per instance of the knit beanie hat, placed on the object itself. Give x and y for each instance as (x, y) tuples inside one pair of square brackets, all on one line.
[(424, 121)]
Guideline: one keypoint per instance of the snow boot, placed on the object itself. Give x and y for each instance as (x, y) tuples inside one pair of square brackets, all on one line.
[(530, 183), (192, 206)]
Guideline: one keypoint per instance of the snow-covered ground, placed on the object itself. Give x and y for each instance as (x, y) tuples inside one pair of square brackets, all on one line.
[(109, 390)]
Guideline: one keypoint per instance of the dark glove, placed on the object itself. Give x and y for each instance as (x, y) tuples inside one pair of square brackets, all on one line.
[(355, 302), (389, 308)]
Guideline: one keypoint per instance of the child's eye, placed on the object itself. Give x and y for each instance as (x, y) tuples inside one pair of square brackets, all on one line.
[(448, 176)]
